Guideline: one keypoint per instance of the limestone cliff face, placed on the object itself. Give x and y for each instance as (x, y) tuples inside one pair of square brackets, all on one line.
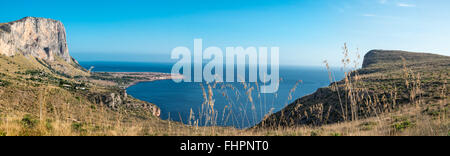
[(38, 37)]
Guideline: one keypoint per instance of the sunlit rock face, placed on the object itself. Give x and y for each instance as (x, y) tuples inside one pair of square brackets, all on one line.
[(38, 37)]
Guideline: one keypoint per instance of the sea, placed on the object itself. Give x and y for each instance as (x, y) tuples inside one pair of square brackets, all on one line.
[(239, 105)]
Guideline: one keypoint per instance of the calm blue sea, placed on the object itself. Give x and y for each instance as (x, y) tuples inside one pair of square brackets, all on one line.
[(234, 105)]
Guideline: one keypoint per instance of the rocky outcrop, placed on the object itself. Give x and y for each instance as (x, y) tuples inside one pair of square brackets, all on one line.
[(38, 37), (112, 100), (119, 99)]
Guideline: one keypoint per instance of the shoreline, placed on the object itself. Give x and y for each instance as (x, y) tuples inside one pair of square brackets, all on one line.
[(135, 78), (135, 82)]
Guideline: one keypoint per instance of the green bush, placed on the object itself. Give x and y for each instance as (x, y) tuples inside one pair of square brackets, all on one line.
[(315, 133), (48, 124), (4, 83), (400, 126), (79, 127), (29, 121), (336, 134), (2, 133), (366, 126)]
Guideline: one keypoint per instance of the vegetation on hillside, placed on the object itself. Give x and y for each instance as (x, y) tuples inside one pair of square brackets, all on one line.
[(403, 95), (38, 99)]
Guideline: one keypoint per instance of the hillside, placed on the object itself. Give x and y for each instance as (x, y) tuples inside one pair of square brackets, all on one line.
[(390, 81), (42, 85)]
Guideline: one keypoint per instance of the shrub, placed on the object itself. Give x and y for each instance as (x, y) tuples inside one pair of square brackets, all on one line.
[(29, 121), (4, 83), (400, 126), (48, 124), (79, 127), (336, 134), (2, 133), (315, 133), (366, 126)]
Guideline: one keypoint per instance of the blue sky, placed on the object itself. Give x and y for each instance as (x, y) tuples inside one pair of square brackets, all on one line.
[(307, 31)]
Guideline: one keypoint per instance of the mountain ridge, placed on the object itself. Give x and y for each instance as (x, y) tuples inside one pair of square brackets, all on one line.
[(390, 56)]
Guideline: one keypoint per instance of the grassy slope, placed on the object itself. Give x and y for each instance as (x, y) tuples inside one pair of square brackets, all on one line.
[(33, 93), (34, 103)]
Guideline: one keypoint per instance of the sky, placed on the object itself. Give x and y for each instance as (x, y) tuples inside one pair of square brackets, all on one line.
[(307, 31)]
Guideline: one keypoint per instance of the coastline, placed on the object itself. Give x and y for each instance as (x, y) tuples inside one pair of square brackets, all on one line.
[(150, 78), (125, 80)]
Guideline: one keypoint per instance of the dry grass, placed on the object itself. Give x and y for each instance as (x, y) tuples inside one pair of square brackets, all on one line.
[(402, 123)]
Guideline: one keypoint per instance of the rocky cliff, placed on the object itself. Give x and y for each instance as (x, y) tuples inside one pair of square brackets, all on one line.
[(38, 37)]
